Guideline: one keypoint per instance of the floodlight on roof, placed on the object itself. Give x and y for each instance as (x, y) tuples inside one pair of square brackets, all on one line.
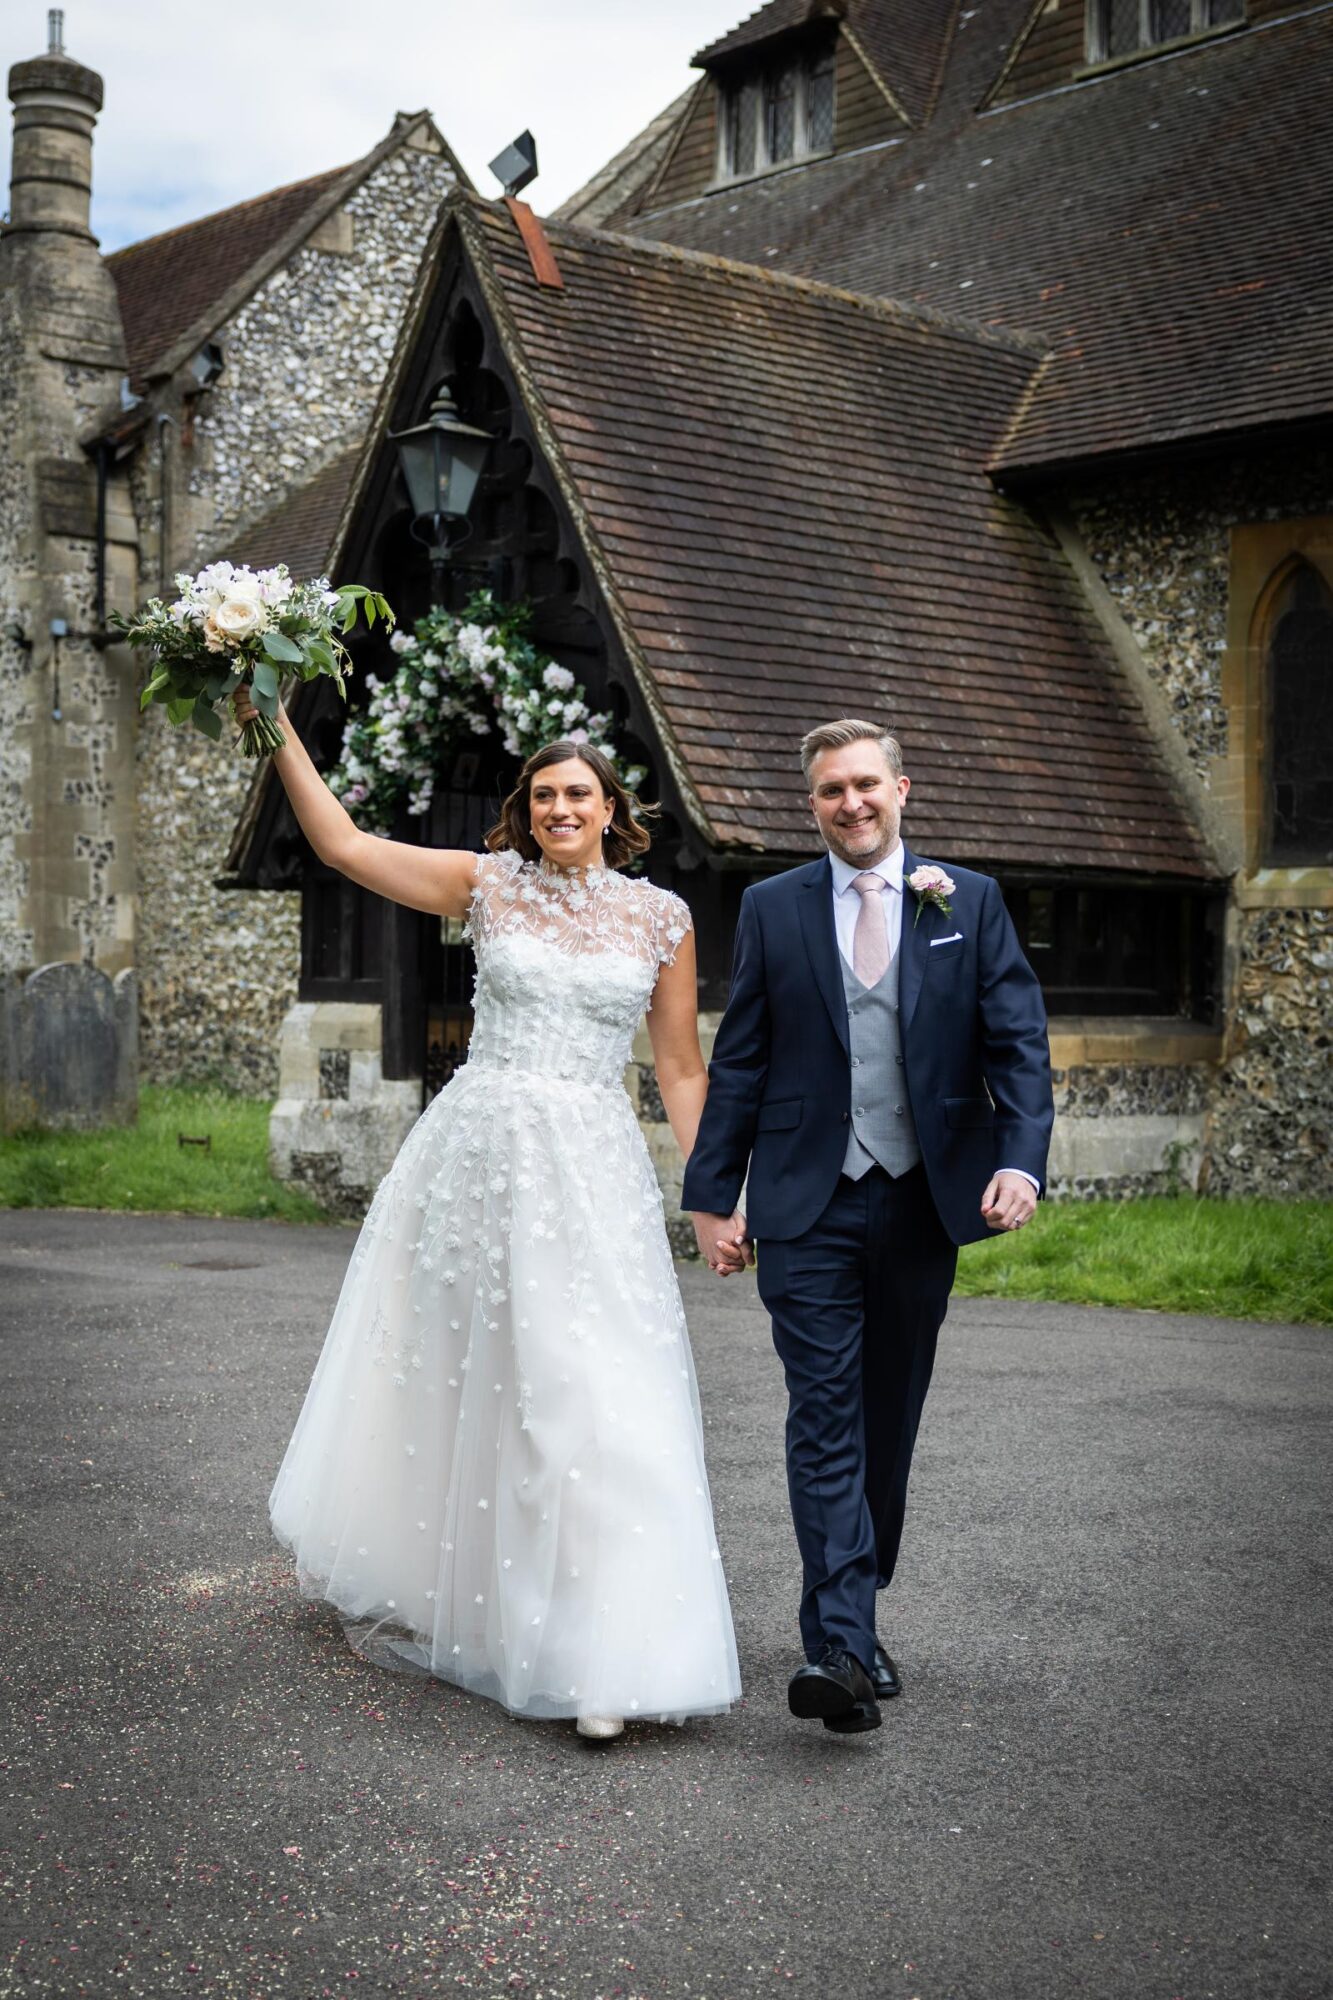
[(516, 167), (206, 365)]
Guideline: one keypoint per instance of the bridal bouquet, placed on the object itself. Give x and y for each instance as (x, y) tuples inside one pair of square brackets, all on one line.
[(231, 626)]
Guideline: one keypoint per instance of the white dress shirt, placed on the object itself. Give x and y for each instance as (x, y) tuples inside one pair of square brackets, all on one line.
[(847, 903)]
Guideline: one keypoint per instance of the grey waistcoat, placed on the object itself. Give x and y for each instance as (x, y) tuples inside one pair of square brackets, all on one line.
[(882, 1126)]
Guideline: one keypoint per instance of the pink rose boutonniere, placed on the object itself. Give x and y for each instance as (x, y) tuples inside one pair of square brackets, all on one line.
[(930, 885)]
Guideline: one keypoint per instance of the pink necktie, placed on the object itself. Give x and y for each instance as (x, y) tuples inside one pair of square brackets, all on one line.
[(870, 939)]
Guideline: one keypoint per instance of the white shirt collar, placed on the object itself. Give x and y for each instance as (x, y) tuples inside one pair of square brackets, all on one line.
[(891, 868)]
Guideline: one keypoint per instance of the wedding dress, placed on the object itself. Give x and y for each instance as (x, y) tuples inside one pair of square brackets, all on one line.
[(498, 1470)]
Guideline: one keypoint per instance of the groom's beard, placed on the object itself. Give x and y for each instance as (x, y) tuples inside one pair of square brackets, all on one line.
[(868, 852)]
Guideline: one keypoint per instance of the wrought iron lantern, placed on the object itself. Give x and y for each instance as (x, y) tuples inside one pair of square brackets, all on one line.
[(441, 461)]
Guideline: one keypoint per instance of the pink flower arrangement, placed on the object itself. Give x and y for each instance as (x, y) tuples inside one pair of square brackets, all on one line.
[(930, 884)]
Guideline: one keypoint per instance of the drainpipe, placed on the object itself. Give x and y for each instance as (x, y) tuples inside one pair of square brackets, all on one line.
[(103, 469), (163, 496)]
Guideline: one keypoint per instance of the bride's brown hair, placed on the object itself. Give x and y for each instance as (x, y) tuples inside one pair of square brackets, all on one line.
[(626, 835)]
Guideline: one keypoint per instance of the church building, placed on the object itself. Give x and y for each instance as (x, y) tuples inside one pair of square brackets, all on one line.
[(964, 368)]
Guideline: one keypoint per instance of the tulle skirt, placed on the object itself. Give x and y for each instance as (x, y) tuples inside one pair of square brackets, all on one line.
[(497, 1475)]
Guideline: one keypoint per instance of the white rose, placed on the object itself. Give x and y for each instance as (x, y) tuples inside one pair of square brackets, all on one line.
[(240, 616)]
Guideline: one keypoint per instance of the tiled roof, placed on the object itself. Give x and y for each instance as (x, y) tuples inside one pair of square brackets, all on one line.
[(300, 529), (777, 18), (903, 39), (631, 170), (1165, 227), (168, 282), (784, 489)]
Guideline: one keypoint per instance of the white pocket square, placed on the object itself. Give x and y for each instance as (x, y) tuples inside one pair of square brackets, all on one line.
[(955, 939)]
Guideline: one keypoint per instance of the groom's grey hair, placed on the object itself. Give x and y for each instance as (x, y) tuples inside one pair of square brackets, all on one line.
[(837, 735)]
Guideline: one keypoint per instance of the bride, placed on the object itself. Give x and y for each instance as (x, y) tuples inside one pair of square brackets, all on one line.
[(499, 1465)]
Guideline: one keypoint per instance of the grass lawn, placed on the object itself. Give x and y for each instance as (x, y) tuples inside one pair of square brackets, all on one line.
[(1238, 1259), (145, 1166)]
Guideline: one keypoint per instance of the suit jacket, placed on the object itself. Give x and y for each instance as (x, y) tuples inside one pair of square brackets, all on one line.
[(974, 1048)]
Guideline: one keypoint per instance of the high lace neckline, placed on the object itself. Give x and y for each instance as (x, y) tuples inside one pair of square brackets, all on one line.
[(582, 875)]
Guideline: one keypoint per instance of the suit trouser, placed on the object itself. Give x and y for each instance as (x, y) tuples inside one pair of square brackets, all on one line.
[(856, 1304)]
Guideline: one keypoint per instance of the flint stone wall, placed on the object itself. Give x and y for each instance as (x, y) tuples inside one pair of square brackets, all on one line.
[(1161, 543), (1125, 1129), (68, 1049), (304, 361), (305, 355), (1271, 1130)]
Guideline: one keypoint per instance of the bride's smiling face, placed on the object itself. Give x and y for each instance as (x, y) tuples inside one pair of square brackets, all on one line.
[(569, 811)]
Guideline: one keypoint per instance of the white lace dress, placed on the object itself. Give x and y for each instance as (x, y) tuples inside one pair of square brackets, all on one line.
[(498, 1471)]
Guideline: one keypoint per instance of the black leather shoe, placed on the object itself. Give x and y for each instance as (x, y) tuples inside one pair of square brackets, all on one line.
[(884, 1676), (836, 1691)]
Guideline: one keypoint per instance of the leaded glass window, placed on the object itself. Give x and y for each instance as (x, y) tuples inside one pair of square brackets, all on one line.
[(1300, 713), (741, 121), (780, 115), (819, 104), (1124, 27), (785, 112)]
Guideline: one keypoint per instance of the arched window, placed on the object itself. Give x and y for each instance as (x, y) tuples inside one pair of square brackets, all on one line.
[(1300, 721)]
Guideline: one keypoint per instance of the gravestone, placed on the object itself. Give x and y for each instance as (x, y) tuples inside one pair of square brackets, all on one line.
[(69, 1049)]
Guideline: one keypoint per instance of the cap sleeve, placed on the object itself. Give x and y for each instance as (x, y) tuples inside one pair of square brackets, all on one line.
[(497, 875), (674, 923)]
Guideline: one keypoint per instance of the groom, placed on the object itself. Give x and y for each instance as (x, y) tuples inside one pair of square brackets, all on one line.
[(882, 1071)]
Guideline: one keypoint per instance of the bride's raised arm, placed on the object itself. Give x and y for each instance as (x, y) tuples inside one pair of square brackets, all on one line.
[(438, 879)]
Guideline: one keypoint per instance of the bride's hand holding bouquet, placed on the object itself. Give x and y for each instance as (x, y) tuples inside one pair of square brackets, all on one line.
[(234, 629)]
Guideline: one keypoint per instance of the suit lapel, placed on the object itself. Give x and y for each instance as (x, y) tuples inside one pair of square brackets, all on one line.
[(814, 907), (911, 948)]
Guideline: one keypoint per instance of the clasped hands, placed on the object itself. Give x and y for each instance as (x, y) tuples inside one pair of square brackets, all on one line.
[(724, 1242)]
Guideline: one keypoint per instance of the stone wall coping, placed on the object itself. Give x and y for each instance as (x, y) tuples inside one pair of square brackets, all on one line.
[(1285, 889), (337, 1024), (1140, 1040)]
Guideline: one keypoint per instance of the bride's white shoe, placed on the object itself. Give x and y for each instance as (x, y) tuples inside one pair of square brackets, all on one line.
[(600, 1727)]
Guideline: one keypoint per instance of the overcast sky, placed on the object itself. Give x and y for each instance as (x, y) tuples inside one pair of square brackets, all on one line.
[(206, 105)]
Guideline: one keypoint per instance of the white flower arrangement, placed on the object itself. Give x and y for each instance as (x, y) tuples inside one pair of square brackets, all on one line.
[(231, 625), (459, 676)]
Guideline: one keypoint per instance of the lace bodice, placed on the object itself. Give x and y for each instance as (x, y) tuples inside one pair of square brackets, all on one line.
[(566, 964)]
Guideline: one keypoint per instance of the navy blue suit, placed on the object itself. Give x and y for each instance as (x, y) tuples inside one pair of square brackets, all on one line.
[(857, 1274)]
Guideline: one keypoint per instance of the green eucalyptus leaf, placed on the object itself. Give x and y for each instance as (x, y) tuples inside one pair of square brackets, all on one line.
[(180, 707), (208, 720), (265, 679), (265, 702), (279, 647)]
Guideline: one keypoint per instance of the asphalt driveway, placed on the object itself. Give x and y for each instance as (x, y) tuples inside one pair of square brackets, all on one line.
[(1108, 1775)]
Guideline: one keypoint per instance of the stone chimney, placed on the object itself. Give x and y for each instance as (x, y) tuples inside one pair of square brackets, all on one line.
[(56, 103), (67, 707)]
